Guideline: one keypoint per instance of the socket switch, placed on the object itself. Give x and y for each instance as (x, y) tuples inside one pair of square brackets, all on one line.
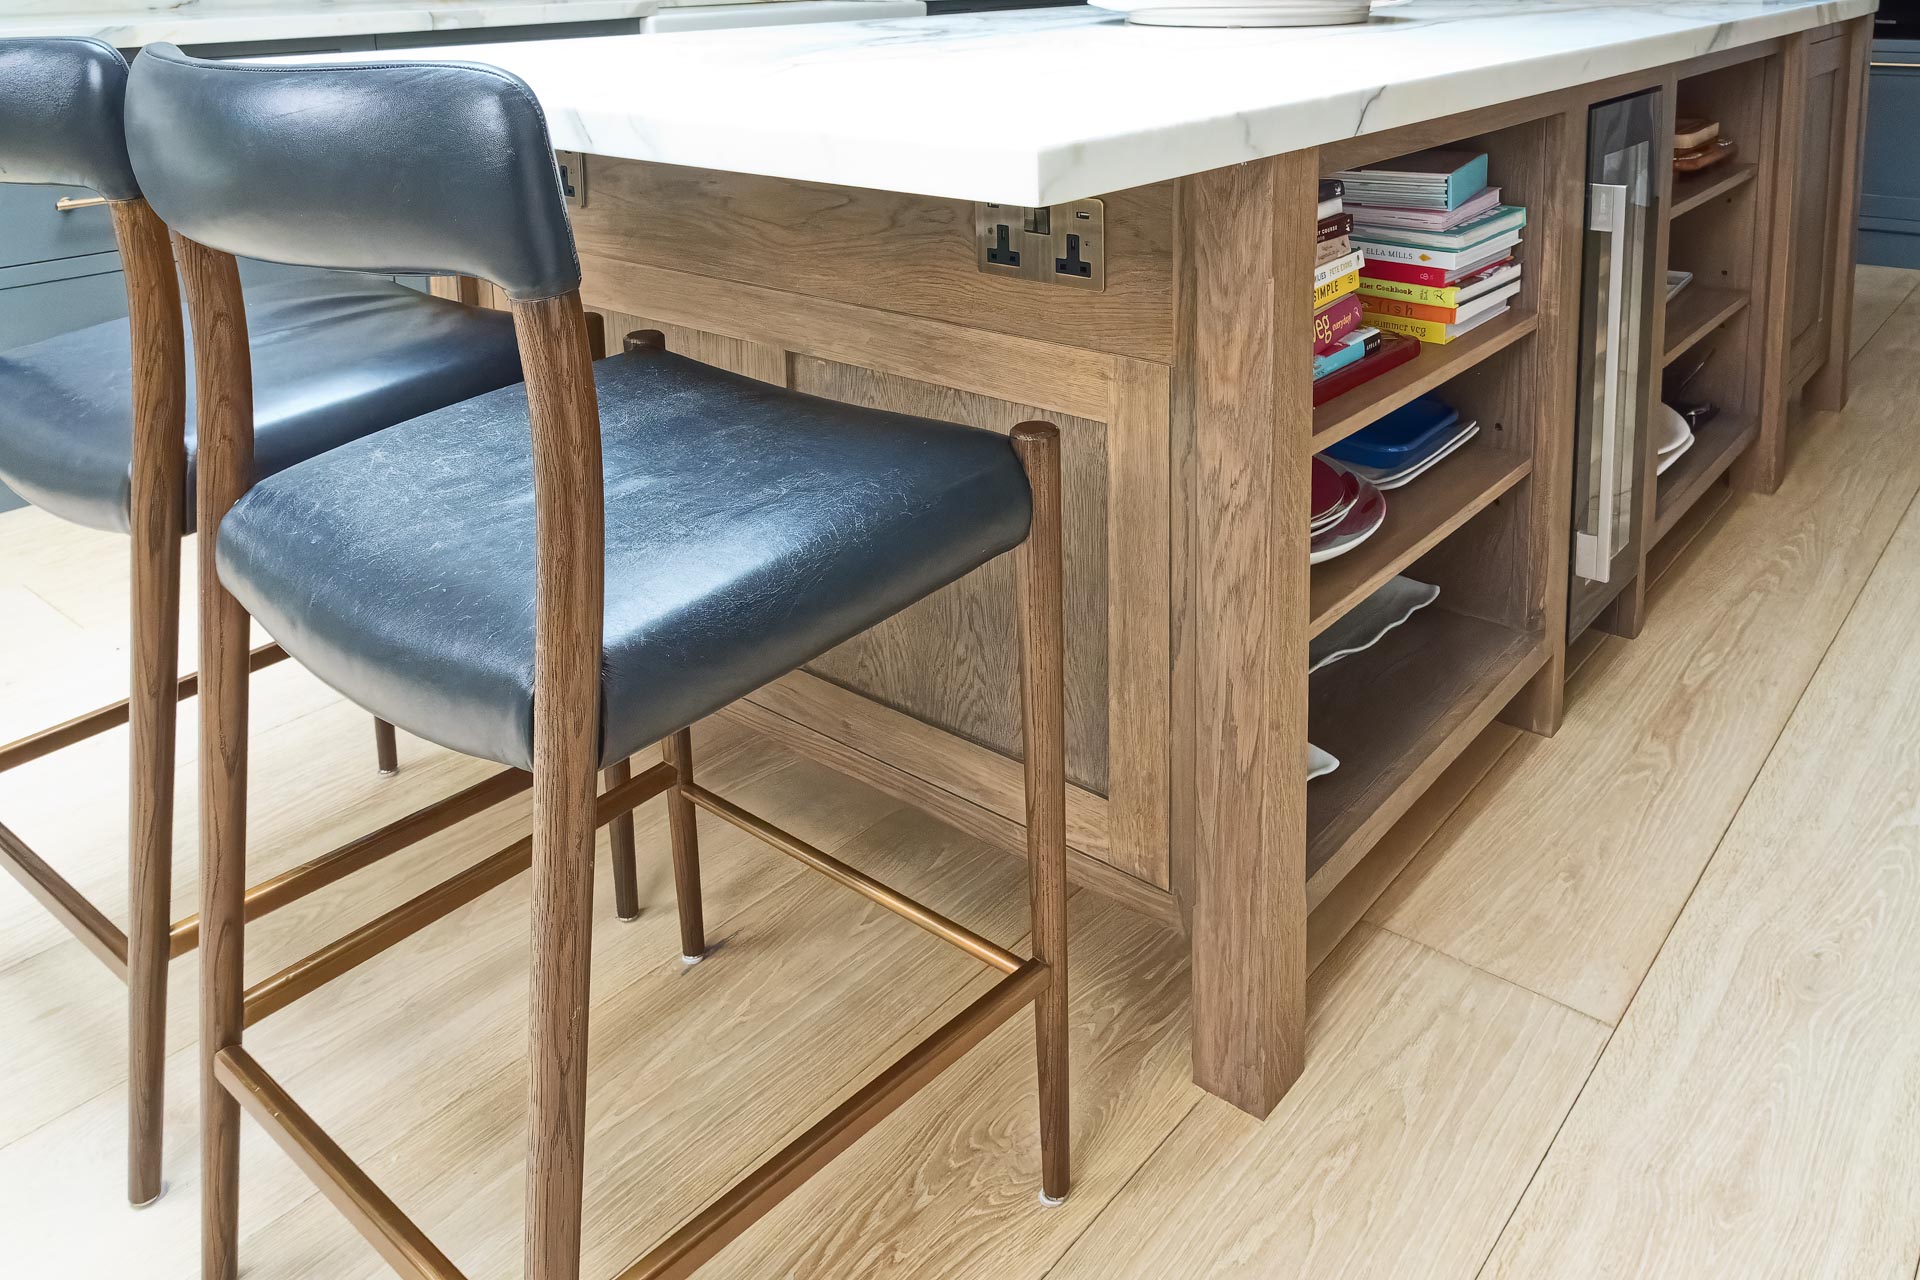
[(1059, 244)]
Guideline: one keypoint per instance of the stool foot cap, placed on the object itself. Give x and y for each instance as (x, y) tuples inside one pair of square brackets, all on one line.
[(1052, 1202), (691, 960), (149, 1203)]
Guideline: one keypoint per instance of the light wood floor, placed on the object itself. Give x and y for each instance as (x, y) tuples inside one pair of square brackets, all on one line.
[(1648, 1003)]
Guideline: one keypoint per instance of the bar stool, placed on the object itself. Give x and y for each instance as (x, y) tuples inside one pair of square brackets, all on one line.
[(93, 429), (552, 577)]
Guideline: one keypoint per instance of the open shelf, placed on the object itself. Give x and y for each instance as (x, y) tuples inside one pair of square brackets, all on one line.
[(1719, 443), (1691, 190), (1395, 717), (1419, 516), (1697, 312), (1342, 416)]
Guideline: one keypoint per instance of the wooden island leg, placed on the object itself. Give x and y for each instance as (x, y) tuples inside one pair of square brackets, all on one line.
[(1243, 417)]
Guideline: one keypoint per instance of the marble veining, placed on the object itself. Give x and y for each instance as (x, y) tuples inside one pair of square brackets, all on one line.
[(130, 25), (1041, 106)]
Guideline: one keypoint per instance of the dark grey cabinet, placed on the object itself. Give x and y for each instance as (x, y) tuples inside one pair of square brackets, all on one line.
[(1890, 175)]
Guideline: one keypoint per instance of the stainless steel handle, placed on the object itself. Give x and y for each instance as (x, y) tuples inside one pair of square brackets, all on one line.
[(1593, 552), (1905, 66), (67, 204)]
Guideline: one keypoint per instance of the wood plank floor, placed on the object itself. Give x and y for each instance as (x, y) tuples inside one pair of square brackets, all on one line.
[(1648, 1003)]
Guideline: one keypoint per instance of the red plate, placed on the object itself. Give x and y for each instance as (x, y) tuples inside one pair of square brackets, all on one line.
[(1361, 523), (1350, 483), (1329, 488)]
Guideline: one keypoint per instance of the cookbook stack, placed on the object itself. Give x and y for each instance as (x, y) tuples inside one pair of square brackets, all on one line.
[(1346, 350), (1440, 249)]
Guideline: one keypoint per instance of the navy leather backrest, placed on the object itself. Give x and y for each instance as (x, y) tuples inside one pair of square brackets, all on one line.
[(61, 105), (398, 168)]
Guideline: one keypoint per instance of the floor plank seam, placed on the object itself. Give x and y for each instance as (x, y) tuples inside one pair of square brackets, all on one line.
[(61, 612), (1121, 1190), (1497, 977), (1719, 842), (1861, 347)]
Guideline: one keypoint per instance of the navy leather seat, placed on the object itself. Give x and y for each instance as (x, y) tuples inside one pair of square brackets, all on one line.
[(333, 358), (748, 530)]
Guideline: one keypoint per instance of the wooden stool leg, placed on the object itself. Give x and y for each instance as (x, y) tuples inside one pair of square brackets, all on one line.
[(152, 706), (569, 559), (225, 373), (685, 830), (386, 748), (626, 871), (1043, 731), (157, 502)]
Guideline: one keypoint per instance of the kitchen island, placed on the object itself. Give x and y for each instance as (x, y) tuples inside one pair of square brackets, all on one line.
[(829, 208)]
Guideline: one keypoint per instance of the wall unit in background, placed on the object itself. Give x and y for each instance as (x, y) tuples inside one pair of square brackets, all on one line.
[(1890, 189)]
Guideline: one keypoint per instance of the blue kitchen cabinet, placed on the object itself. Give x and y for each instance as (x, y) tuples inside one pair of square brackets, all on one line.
[(1890, 178)]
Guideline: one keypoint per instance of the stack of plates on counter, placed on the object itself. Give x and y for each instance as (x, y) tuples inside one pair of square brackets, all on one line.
[(1671, 438), (1346, 511), (1244, 13), (1404, 444)]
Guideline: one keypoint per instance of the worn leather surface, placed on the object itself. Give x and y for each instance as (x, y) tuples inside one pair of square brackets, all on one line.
[(397, 168), (60, 110), (749, 529), (333, 358)]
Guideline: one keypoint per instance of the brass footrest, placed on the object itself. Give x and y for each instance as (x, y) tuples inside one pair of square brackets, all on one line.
[(408, 1250)]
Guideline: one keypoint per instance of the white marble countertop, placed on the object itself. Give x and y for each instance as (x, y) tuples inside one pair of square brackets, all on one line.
[(1037, 107), (129, 24)]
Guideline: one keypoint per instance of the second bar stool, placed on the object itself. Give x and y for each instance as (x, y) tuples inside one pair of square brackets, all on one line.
[(553, 577), (93, 430)]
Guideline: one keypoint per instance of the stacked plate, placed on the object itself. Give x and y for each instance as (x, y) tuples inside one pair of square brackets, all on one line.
[(1363, 627), (1671, 438), (1346, 511), (1405, 444), (1245, 13), (1368, 622)]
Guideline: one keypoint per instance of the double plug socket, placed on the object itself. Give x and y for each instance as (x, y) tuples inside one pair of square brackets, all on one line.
[(1058, 244)]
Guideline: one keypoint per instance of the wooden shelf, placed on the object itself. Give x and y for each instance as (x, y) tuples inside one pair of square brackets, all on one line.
[(1691, 190), (1697, 312), (1719, 443), (1419, 516), (1342, 416), (1395, 717)]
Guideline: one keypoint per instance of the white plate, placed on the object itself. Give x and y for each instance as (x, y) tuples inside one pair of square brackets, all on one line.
[(1676, 281), (1246, 13), (1672, 456), (1319, 763), (1670, 430), (1368, 621)]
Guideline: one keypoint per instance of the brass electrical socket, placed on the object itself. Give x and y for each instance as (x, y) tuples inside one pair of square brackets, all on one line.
[(1057, 244)]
